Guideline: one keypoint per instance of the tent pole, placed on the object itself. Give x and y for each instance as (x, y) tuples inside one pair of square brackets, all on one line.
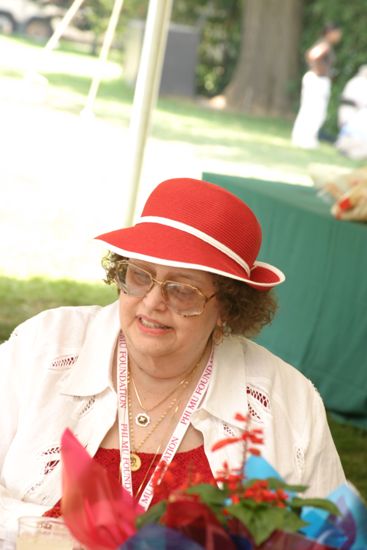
[(60, 28), (146, 92), (107, 41)]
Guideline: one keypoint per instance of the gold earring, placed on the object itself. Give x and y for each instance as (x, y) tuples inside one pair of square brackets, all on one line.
[(217, 335), (226, 329)]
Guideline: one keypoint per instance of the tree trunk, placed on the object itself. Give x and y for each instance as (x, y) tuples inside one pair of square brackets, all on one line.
[(268, 60)]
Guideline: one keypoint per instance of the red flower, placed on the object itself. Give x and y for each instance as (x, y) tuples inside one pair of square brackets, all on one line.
[(228, 476), (281, 494), (260, 492), (224, 442), (240, 417), (252, 436), (254, 451)]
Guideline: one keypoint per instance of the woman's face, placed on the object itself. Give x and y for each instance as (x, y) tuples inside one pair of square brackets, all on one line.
[(153, 329)]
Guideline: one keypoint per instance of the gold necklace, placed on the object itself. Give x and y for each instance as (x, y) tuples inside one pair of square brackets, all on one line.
[(142, 419), (135, 461), (138, 492)]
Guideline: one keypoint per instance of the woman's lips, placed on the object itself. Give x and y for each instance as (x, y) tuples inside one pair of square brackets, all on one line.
[(152, 325)]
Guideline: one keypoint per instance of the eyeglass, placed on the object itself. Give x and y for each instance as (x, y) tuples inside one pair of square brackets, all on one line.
[(184, 299)]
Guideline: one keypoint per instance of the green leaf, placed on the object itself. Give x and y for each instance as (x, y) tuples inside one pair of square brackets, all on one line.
[(153, 515), (275, 483), (213, 497), (291, 521), (315, 503), (260, 522), (249, 503), (209, 493)]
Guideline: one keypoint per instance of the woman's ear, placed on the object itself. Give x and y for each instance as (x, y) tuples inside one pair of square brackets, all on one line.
[(221, 329)]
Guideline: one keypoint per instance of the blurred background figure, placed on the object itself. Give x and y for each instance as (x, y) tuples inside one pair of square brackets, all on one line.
[(352, 117), (354, 97), (316, 86)]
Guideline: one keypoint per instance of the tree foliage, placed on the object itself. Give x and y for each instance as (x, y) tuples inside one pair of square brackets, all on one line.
[(218, 21), (220, 30), (94, 14)]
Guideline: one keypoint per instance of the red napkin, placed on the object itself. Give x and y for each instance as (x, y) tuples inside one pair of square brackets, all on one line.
[(98, 511)]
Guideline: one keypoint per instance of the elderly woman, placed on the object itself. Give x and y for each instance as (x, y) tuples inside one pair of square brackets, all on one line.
[(163, 371)]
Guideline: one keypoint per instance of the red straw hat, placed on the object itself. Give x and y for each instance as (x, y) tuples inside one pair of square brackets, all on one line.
[(195, 224)]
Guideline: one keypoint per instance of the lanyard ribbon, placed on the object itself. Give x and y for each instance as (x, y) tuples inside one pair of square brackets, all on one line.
[(123, 422)]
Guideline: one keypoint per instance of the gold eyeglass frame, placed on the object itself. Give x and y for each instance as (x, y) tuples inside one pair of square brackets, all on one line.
[(162, 285)]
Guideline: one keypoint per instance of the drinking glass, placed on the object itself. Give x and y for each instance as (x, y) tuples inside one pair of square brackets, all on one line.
[(40, 533)]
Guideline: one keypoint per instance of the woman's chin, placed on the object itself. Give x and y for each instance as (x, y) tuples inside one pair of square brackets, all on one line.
[(150, 342)]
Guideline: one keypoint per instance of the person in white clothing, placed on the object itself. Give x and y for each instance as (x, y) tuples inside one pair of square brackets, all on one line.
[(162, 372), (353, 98), (316, 87), (352, 117)]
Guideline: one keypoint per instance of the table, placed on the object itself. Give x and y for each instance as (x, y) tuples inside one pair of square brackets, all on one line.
[(321, 325)]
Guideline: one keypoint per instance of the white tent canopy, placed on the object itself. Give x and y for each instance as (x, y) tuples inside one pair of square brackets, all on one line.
[(146, 92), (147, 82)]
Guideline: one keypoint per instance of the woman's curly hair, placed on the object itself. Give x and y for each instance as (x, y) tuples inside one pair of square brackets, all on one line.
[(245, 310)]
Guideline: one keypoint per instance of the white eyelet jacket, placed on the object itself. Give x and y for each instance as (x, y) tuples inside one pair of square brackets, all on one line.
[(55, 372)]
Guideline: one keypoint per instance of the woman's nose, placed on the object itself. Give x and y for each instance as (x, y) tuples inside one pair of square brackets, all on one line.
[(154, 298)]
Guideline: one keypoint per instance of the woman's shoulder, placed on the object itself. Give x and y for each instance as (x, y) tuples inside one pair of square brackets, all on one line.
[(274, 390), (276, 386), (49, 319), (267, 369), (55, 337), (65, 325)]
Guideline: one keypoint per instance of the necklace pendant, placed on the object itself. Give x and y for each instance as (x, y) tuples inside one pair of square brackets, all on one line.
[(135, 462), (142, 419)]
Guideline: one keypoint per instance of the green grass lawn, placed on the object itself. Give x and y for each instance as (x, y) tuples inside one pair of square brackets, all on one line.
[(236, 142), (234, 139), (23, 298)]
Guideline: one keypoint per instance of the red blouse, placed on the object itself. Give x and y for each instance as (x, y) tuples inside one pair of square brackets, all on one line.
[(186, 466)]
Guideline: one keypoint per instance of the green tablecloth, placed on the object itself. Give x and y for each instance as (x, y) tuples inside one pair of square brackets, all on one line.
[(321, 326)]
